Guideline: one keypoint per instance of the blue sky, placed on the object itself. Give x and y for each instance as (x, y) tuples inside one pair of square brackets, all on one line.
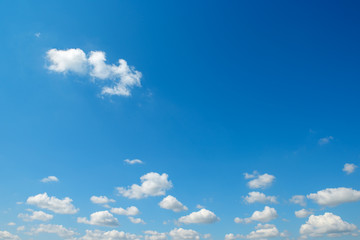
[(232, 109)]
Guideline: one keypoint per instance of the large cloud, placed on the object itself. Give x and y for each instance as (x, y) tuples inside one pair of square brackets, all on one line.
[(172, 203), (130, 211), (62, 206), (266, 215), (152, 184), (254, 197), (59, 230), (109, 235), (335, 196), (184, 234), (36, 215), (101, 218), (259, 181), (326, 225), (121, 78), (202, 216), (8, 236)]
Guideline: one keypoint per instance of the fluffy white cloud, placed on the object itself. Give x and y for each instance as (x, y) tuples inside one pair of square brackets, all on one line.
[(152, 184), (184, 234), (36, 215), (109, 235), (11, 224), (266, 215), (298, 199), (130, 211), (154, 235), (101, 200), (59, 230), (202, 216), (259, 181), (101, 218), (231, 236), (349, 168), (172, 203), (136, 220), (8, 236), (326, 225), (62, 206), (50, 179), (263, 232), (325, 140), (122, 77), (303, 213), (254, 197), (133, 161), (335, 196)]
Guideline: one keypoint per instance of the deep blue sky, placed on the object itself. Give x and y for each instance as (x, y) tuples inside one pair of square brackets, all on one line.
[(228, 87)]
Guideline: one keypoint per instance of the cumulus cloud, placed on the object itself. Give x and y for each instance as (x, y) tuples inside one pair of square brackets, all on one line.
[(325, 140), (130, 211), (136, 220), (231, 236), (154, 235), (62, 206), (173, 204), (50, 179), (133, 161), (35, 215), (109, 235), (326, 225), (299, 199), (259, 181), (8, 236), (303, 213), (254, 197), (152, 184), (101, 200), (335, 196), (202, 216), (263, 232), (349, 168), (184, 234), (101, 218), (116, 79), (266, 215), (59, 230)]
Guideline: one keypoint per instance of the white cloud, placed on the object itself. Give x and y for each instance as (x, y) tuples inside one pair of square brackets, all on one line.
[(20, 228), (231, 236), (109, 235), (59, 230), (11, 224), (136, 220), (101, 218), (71, 60), (325, 140), (172, 203), (259, 181), (101, 200), (298, 199), (36, 215), (263, 232), (37, 35), (8, 236), (152, 184), (50, 179), (184, 234), (202, 216), (199, 206), (303, 213), (133, 161), (130, 211), (54, 204), (154, 235), (266, 215), (335, 196), (349, 168), (326, 225), (254, 197)]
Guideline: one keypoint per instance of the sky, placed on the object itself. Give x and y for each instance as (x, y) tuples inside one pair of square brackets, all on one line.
[(179, 120)]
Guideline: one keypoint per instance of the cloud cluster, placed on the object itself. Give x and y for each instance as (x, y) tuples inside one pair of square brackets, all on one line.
[(116, 79), (173, 204), (259, 181), (202, 216), (254, 197), (335, 196), (101, 218), (266, 215), (62, 206)]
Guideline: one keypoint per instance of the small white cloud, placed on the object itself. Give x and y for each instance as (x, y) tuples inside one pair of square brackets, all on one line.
[(325, 140), (101, 218), (152, 184), (11, 224), (335, 196), (328, 225), (136, 220), (173, 204), (8, 236), (50, 179), (202, 216), (133, 161), (130, 211), (263, 231), (199, 206), (254, 197), (59, 230), (36, 215), (154, 235), (259, 181), (109, 235), (266, 215), (303, 213), (37, 35), (184, 234), (231, 236), (62, 206), (20, 228), (299, 199), (101, 200), (349, 168)]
